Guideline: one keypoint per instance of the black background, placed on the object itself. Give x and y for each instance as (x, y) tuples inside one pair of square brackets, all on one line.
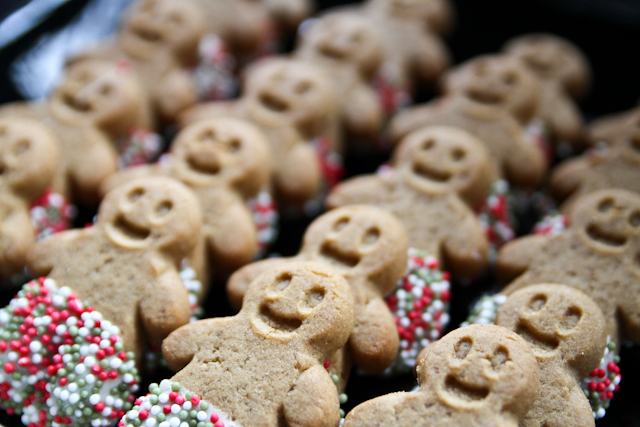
[(608, 31)]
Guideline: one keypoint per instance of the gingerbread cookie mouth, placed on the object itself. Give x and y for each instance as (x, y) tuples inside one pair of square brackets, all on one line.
[(431, 174), (332, 52), (465, 392), (485, 96), (129, 230), (273, 103), (608, 238), (75, 104), (147, 34), (536, 340), (277, 322), (337, 258), (203, 166)]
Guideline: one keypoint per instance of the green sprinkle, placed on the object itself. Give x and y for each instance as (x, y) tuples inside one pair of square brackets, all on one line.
[(153, 399), (341, 413), (343, 398), (183, 415), (118, 346), (160, 417), (335, 378), (193, 413), (175, 386), (204, 405), (87, 412)]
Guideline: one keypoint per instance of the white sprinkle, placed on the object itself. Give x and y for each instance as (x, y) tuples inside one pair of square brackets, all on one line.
[(175, 408), (115, 363), (150, 422), (163, 398), (64, 394), (73, 398), (174, 422), (80, 369), (94, 399)]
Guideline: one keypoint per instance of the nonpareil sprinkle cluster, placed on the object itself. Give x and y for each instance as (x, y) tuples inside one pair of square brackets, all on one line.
[(63, 364), (420, 307)]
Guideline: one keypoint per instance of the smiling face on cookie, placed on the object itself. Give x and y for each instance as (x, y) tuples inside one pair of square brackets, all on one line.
[(438, 160), (103, 93), (554, 58), (28, 156), (357, 241), (497, 80), (480, 367), (557, 322), (345, 38), (155, 25), (300, 301), (222, 150), (608, 220), (288, 92), (154, 212)]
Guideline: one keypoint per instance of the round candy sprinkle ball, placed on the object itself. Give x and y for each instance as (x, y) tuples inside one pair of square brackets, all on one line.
[(171, 405), (63, 364)]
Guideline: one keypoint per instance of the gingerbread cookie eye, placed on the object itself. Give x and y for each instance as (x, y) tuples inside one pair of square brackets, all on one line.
[(537, 302), (570, 319), (634, 219), (500, 358), (463, 347), (605, 205)]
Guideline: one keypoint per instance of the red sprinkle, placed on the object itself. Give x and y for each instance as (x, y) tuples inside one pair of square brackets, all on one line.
[(9, 368), (195, 400), (166, 409), (99, 406), (143, 414), (327, 364), (173, 395), (179, 400), (214, 418)]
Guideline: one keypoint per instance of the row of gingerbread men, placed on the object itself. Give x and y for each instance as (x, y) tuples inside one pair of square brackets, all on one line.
[(155, 221)]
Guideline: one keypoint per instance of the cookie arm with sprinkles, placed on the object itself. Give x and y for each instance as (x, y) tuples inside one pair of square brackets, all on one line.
[(313, 400), (240, 280), (182, 344), (164, 307), (515, 257)]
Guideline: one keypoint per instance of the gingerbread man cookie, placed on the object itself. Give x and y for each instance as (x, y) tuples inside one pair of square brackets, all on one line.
[(225, 162), (29, 157), (481, 106), (435, 170), (160, 39), (615, 166), (479, 375), (413, 51), (350, 49), (296, 107), (264, 366), (597, 254), (125, 265), (564, 74), (97, 102), (368, 246), (566, 331)]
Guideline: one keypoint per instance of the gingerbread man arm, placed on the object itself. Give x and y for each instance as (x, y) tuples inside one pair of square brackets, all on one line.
[(525, 164), (564, 119), (515, 257), (409, 120), (465, 250), (431, 58), (240, 280), (16, 239), (374, 341), (567, 177), (98, 161), (313, 400), (175, 94), (233, 240), (297, 175), (45, 254), (629, 305), (363, 189), (165, 306), (363, 113)]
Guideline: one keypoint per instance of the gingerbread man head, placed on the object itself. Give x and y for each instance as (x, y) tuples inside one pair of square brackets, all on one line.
[(222, 151), (290, 92), (499, 80), (566, 331), (29, 156), (343, 38), (553, 58), (155, 27), (440, 160), (437, 15), (294, 317), (477, 375), (104, 94)]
